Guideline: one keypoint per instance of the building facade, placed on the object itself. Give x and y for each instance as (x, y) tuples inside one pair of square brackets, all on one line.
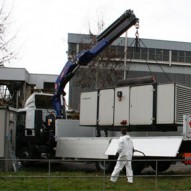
[(17, 84), (167, 61)]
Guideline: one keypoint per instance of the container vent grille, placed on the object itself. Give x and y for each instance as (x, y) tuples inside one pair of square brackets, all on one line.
[(183, 102)]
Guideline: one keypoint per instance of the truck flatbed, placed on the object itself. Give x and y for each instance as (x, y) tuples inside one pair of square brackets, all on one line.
[(103, 147)]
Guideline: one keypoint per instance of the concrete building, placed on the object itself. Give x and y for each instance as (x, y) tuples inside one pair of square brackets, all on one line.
[(17, 84), (167, 61)]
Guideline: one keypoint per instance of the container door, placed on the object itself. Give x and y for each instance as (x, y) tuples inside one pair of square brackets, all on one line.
[(88, 108), (165, 104), (106, 104), (121, 113), (141, 105)]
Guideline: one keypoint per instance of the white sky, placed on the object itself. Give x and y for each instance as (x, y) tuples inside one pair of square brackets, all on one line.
[(42, 25)]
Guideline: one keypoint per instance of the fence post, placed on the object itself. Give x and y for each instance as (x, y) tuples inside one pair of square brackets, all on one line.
[(156, 176), (49, 175), (104, 176)]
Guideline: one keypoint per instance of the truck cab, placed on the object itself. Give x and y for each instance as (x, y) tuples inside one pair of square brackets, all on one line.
[(35, 128)]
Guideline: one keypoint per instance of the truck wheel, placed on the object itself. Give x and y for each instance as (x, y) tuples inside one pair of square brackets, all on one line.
[(137, 167), (25, 153), (161, 165), (106, 166)]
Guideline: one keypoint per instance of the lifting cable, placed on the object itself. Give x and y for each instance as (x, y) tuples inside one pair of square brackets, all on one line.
[(137, 45), (166, 75)]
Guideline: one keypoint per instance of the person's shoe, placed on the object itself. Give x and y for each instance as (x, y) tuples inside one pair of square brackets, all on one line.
[(111, 180), (130, 182)]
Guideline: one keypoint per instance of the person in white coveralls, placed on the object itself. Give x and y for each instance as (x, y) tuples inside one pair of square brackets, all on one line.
[(125, 153)]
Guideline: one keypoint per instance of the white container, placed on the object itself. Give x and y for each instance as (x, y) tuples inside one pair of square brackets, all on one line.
[(160, 105)]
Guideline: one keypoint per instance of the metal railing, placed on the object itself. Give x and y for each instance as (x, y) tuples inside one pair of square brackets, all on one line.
[(53, 172)]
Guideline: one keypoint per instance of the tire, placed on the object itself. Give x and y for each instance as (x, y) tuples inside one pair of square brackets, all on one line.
[(161, 165), (137, 167), (106, 166), (25, 153)]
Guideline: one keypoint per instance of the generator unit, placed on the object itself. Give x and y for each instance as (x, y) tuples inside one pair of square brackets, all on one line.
[(141, 107)]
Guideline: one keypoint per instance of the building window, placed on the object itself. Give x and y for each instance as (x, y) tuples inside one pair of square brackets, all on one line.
[(49, 86), (188, 57), (71, 48), (166, 55), (130, 53), (175, 56), (181, 56), (113, 51), (120, 51), (152, 54), (137, 53), (161, 55), (144, 53)]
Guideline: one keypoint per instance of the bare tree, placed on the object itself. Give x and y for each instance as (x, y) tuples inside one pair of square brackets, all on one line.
[(7, 89), (104, 70), (6, 54)]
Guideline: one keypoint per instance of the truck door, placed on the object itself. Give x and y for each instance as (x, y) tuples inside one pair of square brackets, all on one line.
[(20, 127)]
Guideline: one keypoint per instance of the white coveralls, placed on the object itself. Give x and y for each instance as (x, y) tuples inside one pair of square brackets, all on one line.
[(125, 150)]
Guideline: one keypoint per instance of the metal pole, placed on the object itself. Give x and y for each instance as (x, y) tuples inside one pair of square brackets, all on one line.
[(156, 178), (125, 57), (6, 140), (48, 175), (104, 177)]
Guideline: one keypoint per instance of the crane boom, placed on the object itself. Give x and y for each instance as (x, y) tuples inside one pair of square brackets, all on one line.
[(109, 35)]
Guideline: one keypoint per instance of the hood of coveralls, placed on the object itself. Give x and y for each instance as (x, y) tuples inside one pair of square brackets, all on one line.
[(126, 137)]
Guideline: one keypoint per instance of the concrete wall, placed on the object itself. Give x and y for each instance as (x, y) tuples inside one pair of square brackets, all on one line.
[(7, 138)]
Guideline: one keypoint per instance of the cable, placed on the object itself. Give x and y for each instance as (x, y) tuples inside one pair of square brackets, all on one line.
[(134, 150), (168, 78)]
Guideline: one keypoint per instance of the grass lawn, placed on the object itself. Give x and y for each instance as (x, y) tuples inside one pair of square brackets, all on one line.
[(81, 181)]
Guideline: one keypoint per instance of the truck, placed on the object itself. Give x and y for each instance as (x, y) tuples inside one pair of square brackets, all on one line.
[(156, 116), (39, 135)]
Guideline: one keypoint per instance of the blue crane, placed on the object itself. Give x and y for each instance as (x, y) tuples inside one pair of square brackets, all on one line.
[(109, 35)]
